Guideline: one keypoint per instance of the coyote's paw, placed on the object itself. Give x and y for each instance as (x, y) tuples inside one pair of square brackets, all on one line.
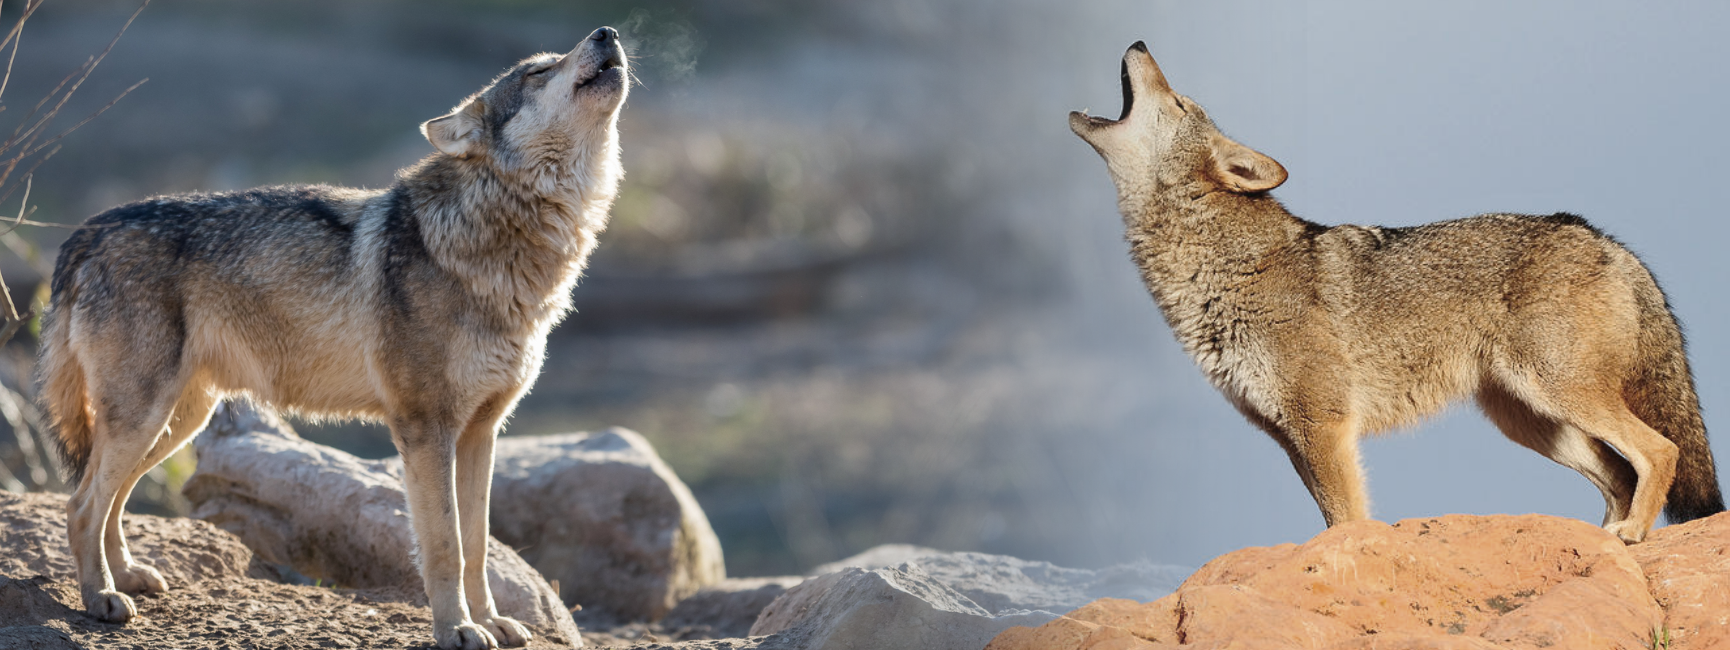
[(110, 606), (466, 636), (138, 578), (509, 632), (1628, 531)]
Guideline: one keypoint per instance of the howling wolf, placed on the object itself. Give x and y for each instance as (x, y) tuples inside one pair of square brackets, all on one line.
[(425, 306)]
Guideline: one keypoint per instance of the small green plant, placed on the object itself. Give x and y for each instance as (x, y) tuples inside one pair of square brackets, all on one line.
[(1660, 637)]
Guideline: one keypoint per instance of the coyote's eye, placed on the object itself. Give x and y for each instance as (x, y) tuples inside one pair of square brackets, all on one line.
[(537, 71)]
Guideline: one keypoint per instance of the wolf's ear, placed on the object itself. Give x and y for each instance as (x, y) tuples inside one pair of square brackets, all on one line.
[(457, 134), (1242, 169)]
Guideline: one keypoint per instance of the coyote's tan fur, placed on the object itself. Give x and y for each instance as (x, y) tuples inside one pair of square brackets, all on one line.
[(425, 306), (1320, 334)]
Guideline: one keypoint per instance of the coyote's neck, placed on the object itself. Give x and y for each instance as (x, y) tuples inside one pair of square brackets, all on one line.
[(1199, 255), (518, 241)]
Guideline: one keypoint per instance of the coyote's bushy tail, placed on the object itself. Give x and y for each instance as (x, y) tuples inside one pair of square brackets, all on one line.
[(61, 376), (1662, 395)]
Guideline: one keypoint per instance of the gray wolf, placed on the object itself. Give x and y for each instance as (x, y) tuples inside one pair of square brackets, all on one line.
[(1321, 334), (425, 306)]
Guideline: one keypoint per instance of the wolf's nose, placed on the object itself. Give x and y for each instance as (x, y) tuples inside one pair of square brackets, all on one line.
[(605, 34)]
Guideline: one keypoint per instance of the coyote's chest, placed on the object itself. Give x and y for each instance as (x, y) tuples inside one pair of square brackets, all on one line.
[(1225, 340)]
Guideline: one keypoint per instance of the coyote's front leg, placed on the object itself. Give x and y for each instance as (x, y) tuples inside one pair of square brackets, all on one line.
[(1325, 454)]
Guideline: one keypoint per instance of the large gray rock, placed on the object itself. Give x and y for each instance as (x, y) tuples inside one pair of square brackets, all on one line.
[(330, 515), (1000, 582), (605, 517), (727, 609), (891, 607), (1004, 583), (881, 555)]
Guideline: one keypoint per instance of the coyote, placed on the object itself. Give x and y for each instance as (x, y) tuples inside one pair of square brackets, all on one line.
[(1320, 334), (425, 306)]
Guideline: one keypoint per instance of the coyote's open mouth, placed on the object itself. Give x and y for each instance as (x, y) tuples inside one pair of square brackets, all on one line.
[(1128, 91)]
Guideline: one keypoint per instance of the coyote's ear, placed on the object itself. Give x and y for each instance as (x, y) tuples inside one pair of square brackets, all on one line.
[(457, 134), (1242, 169)]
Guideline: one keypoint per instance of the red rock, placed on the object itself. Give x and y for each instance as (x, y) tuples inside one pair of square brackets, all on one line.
[(1153, 621), (1072, 634), (1447, 583), (1688, 571), (1447, 575), (1237, 616), (1415, 642)]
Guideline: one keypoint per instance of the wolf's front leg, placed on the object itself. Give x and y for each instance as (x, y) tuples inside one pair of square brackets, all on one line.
[(428, 460), (474, 488)]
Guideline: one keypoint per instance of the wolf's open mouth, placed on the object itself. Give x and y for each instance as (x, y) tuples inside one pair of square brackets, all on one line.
[(613, 62)]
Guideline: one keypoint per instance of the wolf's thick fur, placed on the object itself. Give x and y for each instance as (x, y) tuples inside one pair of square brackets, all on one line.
[(1319, 334), (425, 306)]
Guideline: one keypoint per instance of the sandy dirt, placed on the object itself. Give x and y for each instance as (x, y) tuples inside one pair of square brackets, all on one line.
[(218, 597)]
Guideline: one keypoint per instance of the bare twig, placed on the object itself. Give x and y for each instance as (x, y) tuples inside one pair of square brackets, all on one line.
[(21, 432), (15, 32), (87, 119), (27, 140), (83, 73), (29, 8)]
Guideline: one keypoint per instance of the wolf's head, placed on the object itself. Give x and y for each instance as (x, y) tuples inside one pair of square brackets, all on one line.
[(1164, 140), (548, 111)]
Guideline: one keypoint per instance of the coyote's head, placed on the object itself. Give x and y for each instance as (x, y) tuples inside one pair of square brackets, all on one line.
[(547, 112), (1164, 140)]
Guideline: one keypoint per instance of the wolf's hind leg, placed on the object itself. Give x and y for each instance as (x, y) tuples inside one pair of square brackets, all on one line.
[(474, 479), (1566, 445), (190, 415), (126, 427)]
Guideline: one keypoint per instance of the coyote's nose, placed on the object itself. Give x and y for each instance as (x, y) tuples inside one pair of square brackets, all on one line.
[(605, 34)]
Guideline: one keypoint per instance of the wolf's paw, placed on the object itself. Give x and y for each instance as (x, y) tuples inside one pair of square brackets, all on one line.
[(1627, 531), (110, 606), (137, 578), (509, 632), (466, 636)]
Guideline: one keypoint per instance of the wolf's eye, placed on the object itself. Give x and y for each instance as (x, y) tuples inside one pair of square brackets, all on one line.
[(537, 71)]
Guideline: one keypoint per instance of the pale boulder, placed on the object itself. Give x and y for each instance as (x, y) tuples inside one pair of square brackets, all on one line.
[(332, 516)]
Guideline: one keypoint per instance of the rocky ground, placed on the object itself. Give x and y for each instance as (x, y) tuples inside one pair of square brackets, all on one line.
[(303, 546)]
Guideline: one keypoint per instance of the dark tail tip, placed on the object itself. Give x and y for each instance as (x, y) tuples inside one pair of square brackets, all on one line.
[(1705, 503)]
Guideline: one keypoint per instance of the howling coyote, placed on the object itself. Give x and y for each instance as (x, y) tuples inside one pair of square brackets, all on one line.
[(1320, 334), (425, 306)]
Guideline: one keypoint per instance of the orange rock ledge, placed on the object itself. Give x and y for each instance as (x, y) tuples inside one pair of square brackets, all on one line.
[(1457, 582)]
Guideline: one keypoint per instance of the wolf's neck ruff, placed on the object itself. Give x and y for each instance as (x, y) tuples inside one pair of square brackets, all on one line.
[(517, 240)]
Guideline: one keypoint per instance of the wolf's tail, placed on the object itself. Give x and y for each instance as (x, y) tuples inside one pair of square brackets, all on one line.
[(62, 380), (1662, 395)]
